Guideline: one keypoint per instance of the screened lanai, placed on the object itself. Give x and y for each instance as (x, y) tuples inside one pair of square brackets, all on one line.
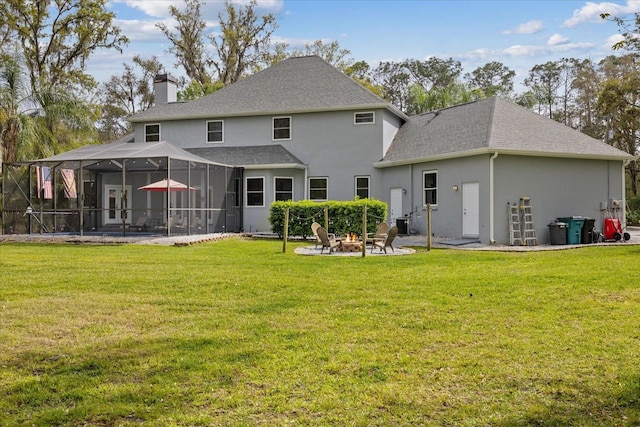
[(121, 189)]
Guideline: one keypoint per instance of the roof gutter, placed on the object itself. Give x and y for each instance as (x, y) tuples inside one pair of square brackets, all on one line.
[(480, 151), (169, 116), (492, 239), (274, 166)]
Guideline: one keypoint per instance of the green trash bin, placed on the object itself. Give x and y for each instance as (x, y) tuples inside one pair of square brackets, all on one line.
[(574, 229)]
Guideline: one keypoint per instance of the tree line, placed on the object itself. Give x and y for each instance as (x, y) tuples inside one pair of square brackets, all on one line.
[(49, 103)]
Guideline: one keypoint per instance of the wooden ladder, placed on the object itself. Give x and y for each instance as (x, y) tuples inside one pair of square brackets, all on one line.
[(528, 227), (515, 232)]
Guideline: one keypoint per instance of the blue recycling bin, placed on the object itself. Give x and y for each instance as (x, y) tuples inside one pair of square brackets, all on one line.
[(574, 229)]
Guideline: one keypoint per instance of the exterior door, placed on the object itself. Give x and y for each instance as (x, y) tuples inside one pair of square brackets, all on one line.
[(470, 209), (395, 205), (117, 204)]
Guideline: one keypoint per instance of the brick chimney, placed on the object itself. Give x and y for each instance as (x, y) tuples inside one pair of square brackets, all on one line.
[(165, 88)]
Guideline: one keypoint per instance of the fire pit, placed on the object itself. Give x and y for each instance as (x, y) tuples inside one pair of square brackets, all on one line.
[(350, 243)]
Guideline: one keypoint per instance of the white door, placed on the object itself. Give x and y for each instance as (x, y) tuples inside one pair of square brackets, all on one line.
[(395, 205), (470, 209), (117, 204)]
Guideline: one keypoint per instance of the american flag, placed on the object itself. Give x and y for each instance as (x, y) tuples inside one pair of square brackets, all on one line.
[(47, 184)]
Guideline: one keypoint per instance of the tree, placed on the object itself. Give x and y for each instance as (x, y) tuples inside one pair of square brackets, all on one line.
[(242, 42), (125, 95), (57, 38), (434, 72), (629, 29), (195, 90), (422, 101), (361, 71), (619, 103), (330, 52), (544, 80), (188, 42), (493, 78), (40, 123), (394, 78), (586, 85)]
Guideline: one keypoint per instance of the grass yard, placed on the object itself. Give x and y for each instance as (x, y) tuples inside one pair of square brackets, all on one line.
[(237, 333)]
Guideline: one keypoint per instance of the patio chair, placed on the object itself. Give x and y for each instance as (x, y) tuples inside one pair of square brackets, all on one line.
[(385, 242), (381, 233), (327, 242), (314, 228), (141, 224)]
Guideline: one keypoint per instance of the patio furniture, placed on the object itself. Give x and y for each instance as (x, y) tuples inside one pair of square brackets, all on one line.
[(381, 233), (314, 228), (327, 242), (141, 223), (385, 242)]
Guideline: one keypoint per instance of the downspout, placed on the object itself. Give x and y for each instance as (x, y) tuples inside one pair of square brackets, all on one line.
[(306, 183), (625, 163), (492, 159)]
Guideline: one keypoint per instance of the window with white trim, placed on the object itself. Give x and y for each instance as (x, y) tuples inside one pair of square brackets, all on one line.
[(364, 118), (255, 191), (281, 128), (318, 188), (283, 189), (215, 131), (152, 133), (430, 187), (362, 187)]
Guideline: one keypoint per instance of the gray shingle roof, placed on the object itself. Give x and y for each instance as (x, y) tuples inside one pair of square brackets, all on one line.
[(488, 126), (259, 156), (299, 84)]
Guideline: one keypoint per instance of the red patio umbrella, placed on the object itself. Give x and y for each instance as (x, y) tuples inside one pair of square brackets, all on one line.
[(163, 185)]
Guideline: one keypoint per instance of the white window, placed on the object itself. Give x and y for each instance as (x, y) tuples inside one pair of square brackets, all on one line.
[(281, 128), (215, 131), (255, 191), (362, 187), (152, 133), (364, 118), (430, 187), (283, 189), (318, 188)]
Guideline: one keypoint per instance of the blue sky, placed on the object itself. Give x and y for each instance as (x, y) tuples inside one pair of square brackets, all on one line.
[(518, 33)]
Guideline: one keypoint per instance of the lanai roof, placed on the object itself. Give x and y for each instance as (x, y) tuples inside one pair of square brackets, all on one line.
[(126, 150), (253, 157), (488, 126), (295, 85)]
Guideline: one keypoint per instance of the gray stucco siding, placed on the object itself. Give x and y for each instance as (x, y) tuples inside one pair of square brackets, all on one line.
[(256, 218), (557, 188), (446, 217)]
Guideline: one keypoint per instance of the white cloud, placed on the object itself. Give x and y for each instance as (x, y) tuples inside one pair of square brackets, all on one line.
[(591, 12), (557, 39), (519, 51), (140, 30), (209, 10), (530, 27), (612, 40)]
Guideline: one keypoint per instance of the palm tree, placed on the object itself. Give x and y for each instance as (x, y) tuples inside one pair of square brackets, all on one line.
[(33, 125)]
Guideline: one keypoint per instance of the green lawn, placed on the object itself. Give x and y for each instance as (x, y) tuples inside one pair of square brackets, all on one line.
[(237, 333)]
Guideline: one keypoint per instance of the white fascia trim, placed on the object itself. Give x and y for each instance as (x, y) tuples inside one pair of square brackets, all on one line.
[(391, 163), (274, 166), (173, 117)]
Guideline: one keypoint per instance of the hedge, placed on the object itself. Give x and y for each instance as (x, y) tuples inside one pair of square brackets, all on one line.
[(344, 216)]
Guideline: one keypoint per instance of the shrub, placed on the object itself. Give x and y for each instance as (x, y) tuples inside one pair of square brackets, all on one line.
[(343, 216)]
